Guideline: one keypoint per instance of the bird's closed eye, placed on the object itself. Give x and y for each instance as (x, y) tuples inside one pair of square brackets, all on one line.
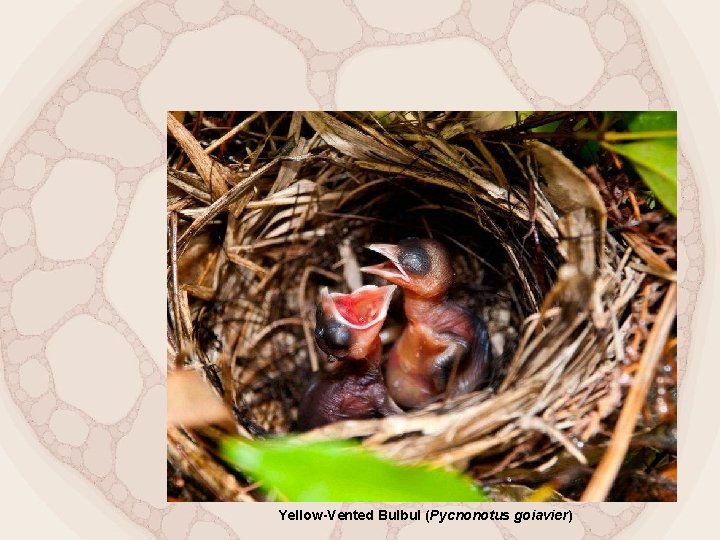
[(414, 258)]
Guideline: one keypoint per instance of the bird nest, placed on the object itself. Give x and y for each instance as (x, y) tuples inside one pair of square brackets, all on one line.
[(264, 209)]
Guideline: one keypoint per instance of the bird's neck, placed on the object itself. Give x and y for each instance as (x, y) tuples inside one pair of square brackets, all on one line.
[(366, 361), (419, 309), (369, 355), (374, 356)]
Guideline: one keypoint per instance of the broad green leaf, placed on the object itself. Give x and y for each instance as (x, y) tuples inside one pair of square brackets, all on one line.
[(656, 162), (341, 471), (550, 127), (643, 126), (652, 121)]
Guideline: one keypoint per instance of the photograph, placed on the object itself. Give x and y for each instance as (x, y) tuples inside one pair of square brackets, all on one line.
[(408, 306)]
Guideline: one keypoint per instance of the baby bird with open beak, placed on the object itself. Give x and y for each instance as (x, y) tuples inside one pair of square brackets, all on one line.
[(347, 328), (444, 350)]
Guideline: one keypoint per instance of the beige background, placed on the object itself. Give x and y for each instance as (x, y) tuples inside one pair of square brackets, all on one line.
[(76, 464)]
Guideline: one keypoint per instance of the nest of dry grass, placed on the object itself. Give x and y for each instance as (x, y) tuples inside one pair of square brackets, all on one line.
[(266, 208)]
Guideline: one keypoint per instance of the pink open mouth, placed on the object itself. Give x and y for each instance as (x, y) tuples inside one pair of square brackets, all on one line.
[(360, 309)]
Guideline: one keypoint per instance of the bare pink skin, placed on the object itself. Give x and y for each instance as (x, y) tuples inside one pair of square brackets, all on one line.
[(348, 391), (353, 386), (444, 351)]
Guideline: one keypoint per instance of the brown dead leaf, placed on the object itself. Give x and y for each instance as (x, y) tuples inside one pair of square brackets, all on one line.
[(568, 187), (579, 239), (194, 265), (582, 224), (353, 143), (193, 403)]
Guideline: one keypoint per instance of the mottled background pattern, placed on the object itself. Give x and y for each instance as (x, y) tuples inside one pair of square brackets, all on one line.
[(82, 200)]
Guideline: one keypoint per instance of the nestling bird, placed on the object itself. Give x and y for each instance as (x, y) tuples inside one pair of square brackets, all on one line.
[(444, 350), (348, 330)]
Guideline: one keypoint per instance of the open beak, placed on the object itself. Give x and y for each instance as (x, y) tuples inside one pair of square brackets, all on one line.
[(359, 310), (390, 269), (348, 325)]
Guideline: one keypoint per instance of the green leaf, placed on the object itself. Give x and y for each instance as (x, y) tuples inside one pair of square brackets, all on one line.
[(341, 471), (550, 127), (652, 121), (384, 117), (589, 153), (656, 162)]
